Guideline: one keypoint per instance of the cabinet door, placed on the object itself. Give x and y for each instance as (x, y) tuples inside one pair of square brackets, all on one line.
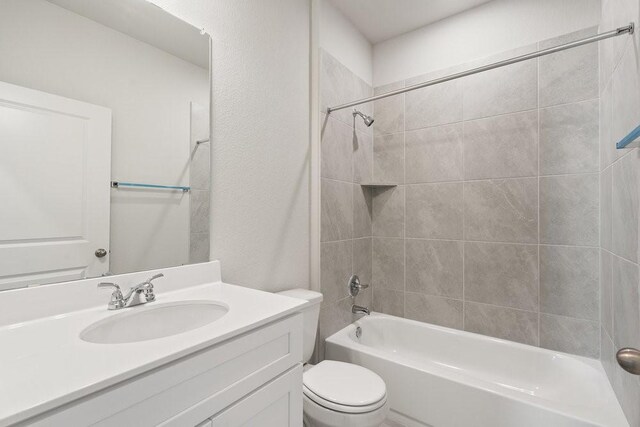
[(277, 404)]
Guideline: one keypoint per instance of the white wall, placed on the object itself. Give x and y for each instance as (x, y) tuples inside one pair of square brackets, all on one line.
[(260, 150), (145, 87), (344, 42), (479, 32)]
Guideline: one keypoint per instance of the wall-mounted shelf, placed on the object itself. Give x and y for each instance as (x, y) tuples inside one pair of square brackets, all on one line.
[(632, 136), (378, 185), (118, 184)]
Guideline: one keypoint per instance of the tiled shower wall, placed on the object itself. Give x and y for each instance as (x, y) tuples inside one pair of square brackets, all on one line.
[(619, 174), (346, 161), (493, 227)]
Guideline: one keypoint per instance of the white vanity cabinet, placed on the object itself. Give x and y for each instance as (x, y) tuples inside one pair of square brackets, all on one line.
[(254, 379)]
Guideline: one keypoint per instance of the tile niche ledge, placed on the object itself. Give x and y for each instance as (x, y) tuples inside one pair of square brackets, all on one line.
[(377, 185)]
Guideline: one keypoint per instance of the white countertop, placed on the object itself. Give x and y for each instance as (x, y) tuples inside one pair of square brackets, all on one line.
[(44, 363)]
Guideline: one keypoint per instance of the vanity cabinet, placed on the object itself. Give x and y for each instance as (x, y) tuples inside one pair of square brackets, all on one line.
[(252, 379)]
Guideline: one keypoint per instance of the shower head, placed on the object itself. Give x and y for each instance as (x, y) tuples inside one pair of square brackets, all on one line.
[(368, 120)]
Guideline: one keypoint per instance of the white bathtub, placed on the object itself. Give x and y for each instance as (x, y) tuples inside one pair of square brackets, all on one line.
[(443, 377)]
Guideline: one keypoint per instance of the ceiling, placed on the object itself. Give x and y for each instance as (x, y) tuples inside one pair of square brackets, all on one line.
[(148, 23), (379, 20)]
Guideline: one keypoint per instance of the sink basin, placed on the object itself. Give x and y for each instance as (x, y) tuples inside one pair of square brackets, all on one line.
[(154, 321)]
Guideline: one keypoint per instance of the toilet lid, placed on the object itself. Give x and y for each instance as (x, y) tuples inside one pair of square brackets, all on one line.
[(344, 384)]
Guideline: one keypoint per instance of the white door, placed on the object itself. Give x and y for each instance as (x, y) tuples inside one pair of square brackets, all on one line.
[(55, 163)]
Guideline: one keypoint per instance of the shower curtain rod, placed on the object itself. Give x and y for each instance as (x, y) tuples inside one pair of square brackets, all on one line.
[(613, 33)]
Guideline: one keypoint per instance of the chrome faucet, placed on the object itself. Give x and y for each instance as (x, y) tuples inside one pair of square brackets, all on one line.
[(142, 293), (358, 309)]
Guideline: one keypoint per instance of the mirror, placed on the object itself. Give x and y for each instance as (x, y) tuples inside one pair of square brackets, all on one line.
[(102, 106)]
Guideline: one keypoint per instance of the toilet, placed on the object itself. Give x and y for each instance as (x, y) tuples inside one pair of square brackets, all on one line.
[(336, 394)]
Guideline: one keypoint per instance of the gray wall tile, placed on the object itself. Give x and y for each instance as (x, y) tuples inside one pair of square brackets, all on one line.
[(625, 108), (388, 112), (200, 172), (502, 146), (626, 315), (434, 211), (607, 355), (388, 158), (569, 138), (434, 267), (569, 210), (434, 154), (339, 85), (625, 199), (335, 269), (362, 211), (362, 146), (570, 75), (199, 247), (362, 259), (433, 105), (606, 209), (336, 210), (501, 274), (388, 301), (388, 212), (503, 90), (501, 210), (569, 281), (627, 388), (506, 323), (569, 335), (333, 317), (606, 291), (388, 264), (336, 149), (199, 211), (608, 152), (435, 310)]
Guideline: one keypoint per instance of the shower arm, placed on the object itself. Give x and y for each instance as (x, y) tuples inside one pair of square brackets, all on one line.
[(629, 29)]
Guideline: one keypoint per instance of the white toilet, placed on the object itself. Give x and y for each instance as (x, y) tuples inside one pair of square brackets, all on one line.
[(336, 394)]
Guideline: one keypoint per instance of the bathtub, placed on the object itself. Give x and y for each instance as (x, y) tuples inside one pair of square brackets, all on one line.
[(443, 377)]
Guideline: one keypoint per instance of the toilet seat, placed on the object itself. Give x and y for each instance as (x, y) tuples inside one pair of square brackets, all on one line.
[(344, 387)]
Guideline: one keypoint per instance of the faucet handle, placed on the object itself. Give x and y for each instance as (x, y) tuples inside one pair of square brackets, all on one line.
[(109, 285), (355, 286), (148, 290), (117, 301), (154, 277)]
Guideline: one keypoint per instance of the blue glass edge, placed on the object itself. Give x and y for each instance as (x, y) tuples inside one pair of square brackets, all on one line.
[(629, 138), (116, 184)]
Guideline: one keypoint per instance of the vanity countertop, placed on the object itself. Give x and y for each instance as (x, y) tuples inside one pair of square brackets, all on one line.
[(44, 364)]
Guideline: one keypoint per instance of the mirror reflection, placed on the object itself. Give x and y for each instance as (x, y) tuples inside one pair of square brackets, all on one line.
[(104, 129)]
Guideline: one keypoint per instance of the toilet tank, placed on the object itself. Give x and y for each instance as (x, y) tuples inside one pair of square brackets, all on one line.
[(310, 314)]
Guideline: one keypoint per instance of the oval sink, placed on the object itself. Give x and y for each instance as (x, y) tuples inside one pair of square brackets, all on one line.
[(157, 321)]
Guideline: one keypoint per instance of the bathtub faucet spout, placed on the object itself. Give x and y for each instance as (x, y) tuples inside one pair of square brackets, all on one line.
[(356, 309)]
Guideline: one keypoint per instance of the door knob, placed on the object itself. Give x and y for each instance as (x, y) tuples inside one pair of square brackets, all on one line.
[(101, 253), (629, 360)]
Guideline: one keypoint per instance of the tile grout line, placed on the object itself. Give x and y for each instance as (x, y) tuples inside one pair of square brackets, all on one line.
[(464, 215), (538, 182)]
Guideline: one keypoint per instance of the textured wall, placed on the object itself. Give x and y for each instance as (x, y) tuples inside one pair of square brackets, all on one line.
[(260, 148), (619, 189)]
